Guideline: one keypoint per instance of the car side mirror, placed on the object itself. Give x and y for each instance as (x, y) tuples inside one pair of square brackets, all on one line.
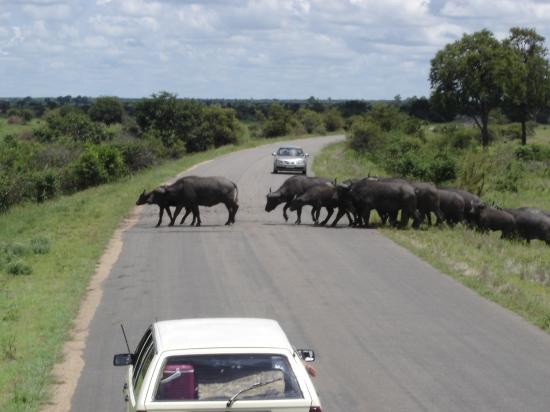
[(306, 354), (123, 359), (307, 154), (274, 154)]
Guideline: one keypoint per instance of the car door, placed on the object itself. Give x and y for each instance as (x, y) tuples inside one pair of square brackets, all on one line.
[(136, 374)]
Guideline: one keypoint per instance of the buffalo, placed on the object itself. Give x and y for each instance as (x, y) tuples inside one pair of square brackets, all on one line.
[(291, 188), (191, 192), (318, 197), (452, 206), (531, 223), (387, 197), (495, 219)]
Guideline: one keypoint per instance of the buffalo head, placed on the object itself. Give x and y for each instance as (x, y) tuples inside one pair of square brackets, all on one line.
[(273, 200)]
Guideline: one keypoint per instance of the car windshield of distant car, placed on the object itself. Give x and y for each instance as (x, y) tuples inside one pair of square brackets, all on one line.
[(290, 151), (219, 377)]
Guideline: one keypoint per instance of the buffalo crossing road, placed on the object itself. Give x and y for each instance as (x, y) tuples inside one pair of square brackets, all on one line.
[(390, 332)]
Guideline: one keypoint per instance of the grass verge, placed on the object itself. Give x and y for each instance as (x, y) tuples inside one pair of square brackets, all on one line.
[(512, 273), (47, 254)]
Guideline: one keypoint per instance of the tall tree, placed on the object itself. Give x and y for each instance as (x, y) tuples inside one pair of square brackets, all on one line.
[(468, 75), (528, 83)]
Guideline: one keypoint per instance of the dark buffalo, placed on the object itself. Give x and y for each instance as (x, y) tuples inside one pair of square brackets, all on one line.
[(428, 202), (293, 187), (452, 206), (531, 223), (386, 197), (535, 210), (318, 197), (191, 192), (160, 196), (495, 219), (469, 199)]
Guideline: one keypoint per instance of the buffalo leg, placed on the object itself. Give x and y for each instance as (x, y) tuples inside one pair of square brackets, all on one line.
[(235, 208), (187, 212), (161, 213), (339, 215), (299, 213), (195, 210), (330, 211), (350, 220), (314, 214), (176, 213), (287, 205)]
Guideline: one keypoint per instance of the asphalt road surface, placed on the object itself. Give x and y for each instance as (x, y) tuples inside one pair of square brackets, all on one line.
[(390, 332)]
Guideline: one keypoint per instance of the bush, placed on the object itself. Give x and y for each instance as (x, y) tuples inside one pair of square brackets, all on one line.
[(386, 116), (508, 179), (310, 120), (279, 121), (96, 165), (40, 245), (423, 165), (533, 152), (333, 120), (107, 110), (137, 154), (18, 267), (473, 170), (365, 136), (458, 137), (45, 185)]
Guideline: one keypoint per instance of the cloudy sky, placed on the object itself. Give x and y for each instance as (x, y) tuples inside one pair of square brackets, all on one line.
[(365, 49)]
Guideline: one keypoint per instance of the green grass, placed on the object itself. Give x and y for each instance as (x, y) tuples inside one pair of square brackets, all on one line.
[(60, 241), (511, 273), (6, 128)]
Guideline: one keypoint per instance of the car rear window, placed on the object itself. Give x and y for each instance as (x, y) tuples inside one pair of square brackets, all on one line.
[(219, 377)]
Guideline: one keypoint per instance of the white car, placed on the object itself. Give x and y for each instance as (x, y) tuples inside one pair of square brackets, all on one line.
[(218, 364), (290, 158)]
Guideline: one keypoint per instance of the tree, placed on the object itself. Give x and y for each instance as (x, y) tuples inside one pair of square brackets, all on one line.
[(469, 75), (107, 110), (333, 119), (527, 86), (279, 121)]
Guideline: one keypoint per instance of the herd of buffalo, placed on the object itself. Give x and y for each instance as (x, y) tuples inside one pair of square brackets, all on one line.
[(395, 200)]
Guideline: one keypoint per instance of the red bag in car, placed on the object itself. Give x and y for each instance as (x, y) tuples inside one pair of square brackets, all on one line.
[(178, 382)]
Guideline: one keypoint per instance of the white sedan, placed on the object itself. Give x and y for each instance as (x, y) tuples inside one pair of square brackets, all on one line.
[(218, 364)]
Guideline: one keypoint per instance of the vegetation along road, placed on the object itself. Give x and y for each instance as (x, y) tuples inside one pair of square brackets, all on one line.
[(391, 332)]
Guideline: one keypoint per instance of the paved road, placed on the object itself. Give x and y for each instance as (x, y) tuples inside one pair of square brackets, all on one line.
[(391, 333)]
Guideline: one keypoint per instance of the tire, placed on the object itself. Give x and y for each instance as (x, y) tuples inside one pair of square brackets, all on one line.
[(304, 171), (275, 171)]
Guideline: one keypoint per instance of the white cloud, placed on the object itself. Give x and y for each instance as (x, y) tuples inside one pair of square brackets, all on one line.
[(47, 10)]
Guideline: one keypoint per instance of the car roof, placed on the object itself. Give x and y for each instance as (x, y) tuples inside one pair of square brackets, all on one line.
[(204, 333), (290, 147)]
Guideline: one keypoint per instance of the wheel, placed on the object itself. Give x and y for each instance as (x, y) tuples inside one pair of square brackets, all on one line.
[(275, 170), (304, 171)]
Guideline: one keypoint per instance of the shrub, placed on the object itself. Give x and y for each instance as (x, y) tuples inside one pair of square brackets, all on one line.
[(40, 245), (533, 152), (508, 179), (111, 160), (310, 120), (423, 165), (365, 135), (279, 121), (88, 170), (333, 120), (107, 110), (18, 267), (137, 154), (15, 120), (386, 116), (45, 185), (473, 170)]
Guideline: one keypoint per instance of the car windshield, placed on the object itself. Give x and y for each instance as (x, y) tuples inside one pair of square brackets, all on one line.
[(290, 151), (220, 377)]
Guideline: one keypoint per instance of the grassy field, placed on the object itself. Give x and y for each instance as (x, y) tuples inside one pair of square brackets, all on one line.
[(511, 273), (6, 128), (47, 254)]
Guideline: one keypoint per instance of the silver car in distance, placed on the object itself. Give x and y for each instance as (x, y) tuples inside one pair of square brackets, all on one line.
[(290, 159)]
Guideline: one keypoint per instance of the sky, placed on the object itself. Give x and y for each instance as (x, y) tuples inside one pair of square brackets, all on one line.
[(276, 49)]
